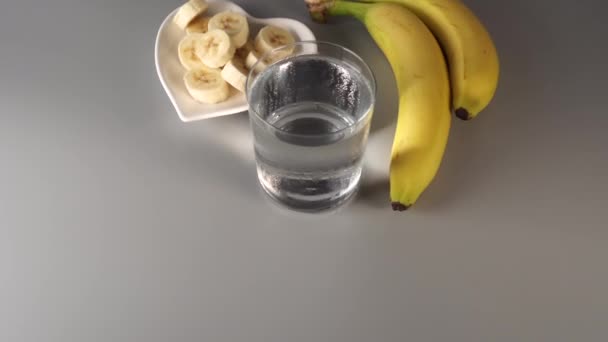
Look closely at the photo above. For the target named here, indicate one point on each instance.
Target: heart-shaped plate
(171, 72)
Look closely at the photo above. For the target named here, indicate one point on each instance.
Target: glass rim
(359, 60)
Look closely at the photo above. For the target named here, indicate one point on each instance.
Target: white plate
(171, 72)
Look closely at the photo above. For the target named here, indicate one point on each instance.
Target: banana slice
(188, 12)
(214, 48)
(232, 23)
(186, 51)
(206, 85)
(198, 25)
(252, 58)
(235, 73)
(272, 37)
(243, 51)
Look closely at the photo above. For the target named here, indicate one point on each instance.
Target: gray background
(118, 222)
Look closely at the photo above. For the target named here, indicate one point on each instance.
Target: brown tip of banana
(400, 207)
(463, 114)
(318, 10)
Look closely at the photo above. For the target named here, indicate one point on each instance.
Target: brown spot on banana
(463, 114)
(399, 206)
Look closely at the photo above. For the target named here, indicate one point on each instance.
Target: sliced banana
(186, 51)
(206, 85)
(272, 37)
(214, 48)
(252, 59)
(235, 73)
(243, 51)
(234, 24)
(198, 25)
(190, 10)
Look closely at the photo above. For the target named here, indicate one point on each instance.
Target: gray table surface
(118, 222)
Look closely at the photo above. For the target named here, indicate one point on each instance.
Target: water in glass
(314, 114)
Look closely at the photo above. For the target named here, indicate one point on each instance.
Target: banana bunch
(217, 53)
(408, 32)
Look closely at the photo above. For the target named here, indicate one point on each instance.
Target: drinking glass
(310, 107)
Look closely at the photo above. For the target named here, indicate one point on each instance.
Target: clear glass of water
(310, 107)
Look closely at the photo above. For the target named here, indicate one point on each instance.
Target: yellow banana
(424, 91)
(472, 57)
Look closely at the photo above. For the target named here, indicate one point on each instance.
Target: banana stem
(320, 9)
